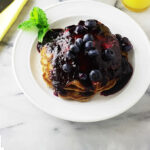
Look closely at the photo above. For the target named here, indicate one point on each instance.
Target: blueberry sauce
(88, 52)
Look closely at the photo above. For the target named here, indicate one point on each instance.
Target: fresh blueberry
(125, 40)
(79, 42)
(88, 37)
(126, 44)
(81, 22)
(79, 29)
(90, 24)
(109, 54)
(119, 37)
(82, 76)
(66, 68)
(74, 48)
(127, 48)
(93, 53)
(95, 75)
(89, 45)
(70, 55)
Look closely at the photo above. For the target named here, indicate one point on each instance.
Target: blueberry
(126, 44)
(93, 53)
(125, 40)
(66, 68)
(88, 37)
(119, 37)
(95, 75)
(89, 45)
(90, 24)
(79, 29)
(127, 48)
(109, 54)
(82, 76)
(81, 22)
(74, 48)
(79, 42)
(70, 55)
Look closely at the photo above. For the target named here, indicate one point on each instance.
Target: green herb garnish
(38, 21)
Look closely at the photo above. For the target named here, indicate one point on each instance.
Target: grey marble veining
(23, 126)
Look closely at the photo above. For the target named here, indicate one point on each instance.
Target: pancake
(82, 60)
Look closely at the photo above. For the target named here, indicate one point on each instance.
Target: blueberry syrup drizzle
(80, 49)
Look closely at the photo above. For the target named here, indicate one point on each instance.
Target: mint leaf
(37, 20)
(27, 25)
(39, 16)
(41, 34)
(34, 15)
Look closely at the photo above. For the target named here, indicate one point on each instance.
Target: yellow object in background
(9, 15)
(137, 5)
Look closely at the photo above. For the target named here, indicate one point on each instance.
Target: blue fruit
(88, 37)
(79, 29)
(74, 48)
(125, 40)
(119, 37)
(90, 24)
(127, 48)
(109, 54)
(70, 55)
(95, 75)
(93, 53)
(66, 68)
(79, 42)
(89, 45)
(126, 44)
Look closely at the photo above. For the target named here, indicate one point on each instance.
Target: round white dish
(27, 68)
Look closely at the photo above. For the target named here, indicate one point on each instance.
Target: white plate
(27, 68)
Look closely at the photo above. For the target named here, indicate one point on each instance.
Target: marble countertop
(23, 126)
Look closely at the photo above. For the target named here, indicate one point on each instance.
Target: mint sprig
(38, 21)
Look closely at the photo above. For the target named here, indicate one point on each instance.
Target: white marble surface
(24, 127)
